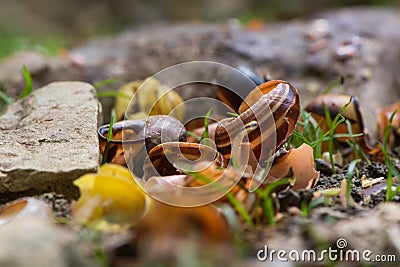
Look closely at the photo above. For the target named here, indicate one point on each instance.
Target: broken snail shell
(24, 207)
(135, 129)
(111, 195)
(152, 131)
(299, 162)
(153, 98)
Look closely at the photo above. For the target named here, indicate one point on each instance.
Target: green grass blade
(106, 82)
(235, 163)
(353, 144)
(392, 172)
(8, 100)
(350, 172)
(192, 134)
(335, 136)
(332, 85)
(387, 133)
(233, 114)
(268, 205)
(232, 199)
(269, 210)
(311, 132)
(389, 164)
(206, 122)
(28, 82)
(240, 209)
(339, 115)
(113, 94)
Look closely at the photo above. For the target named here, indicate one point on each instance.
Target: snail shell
(278, 97)
(153, 98)
(110, 195)
(23, 207)
(153, 131)
(174, 157)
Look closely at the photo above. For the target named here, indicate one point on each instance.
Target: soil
(60, 206)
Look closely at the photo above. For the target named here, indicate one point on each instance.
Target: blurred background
(49, 25)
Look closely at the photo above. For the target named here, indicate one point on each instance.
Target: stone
(48, 139)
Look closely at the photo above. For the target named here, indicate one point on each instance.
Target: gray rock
(49, 139)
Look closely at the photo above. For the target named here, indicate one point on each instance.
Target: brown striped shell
(166, 158)
(277, 97)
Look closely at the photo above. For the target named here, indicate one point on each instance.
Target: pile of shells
(160, 145)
